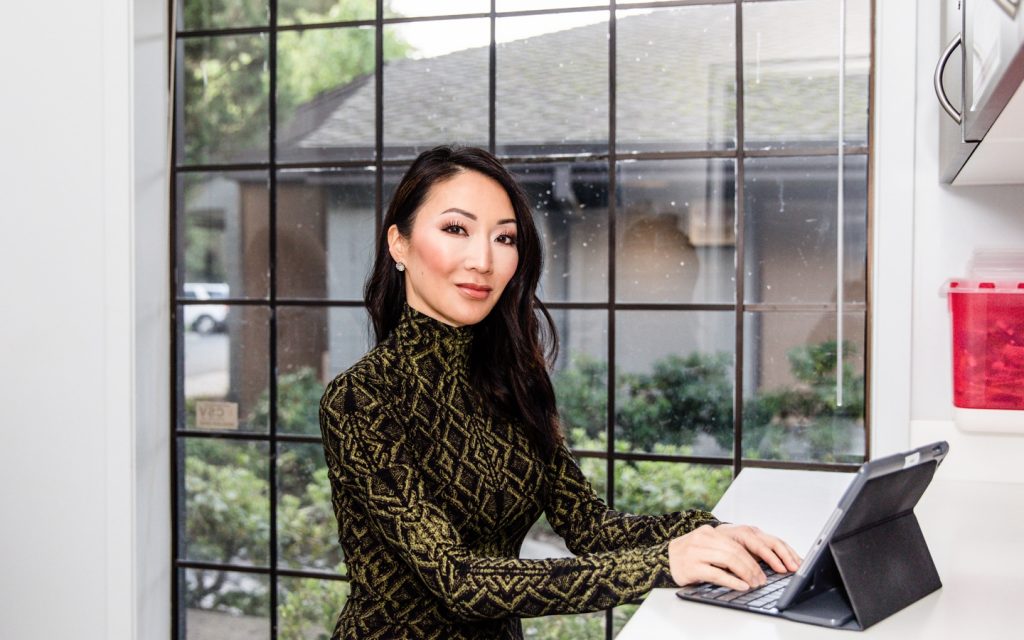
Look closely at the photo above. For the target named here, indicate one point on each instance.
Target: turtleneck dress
(434, 493)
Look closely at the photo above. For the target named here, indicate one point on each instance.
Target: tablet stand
(885, 568)
(877, 561)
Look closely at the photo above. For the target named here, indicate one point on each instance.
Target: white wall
(83, 464)
(152, 323)
(949, 223)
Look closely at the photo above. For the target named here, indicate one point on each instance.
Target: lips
(474, 291)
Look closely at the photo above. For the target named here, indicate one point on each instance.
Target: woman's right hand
(724, 555)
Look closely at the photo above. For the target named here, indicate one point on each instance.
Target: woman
(443, 444)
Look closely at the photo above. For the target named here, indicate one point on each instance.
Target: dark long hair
(511, 346)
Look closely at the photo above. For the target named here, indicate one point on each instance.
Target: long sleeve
(372, 462)
(588, 525)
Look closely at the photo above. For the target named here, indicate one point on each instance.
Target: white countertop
(974, 531)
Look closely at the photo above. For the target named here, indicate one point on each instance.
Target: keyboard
(762, 598)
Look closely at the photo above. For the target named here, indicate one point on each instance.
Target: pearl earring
(400, 266)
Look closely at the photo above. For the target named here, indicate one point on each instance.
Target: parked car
(206, 318)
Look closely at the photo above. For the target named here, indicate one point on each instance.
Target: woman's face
(462, 250)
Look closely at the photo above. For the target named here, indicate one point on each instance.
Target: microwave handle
(940, 91)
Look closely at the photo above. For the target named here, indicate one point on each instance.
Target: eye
(507, 238)
(454, 228)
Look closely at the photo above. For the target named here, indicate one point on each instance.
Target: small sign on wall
(216, 415)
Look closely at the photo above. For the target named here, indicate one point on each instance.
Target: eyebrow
(472, 216)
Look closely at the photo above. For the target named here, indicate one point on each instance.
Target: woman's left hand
(779, 555)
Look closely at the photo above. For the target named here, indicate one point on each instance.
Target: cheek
(434, 257)
(505, 265)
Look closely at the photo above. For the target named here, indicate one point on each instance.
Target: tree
(803, 420)
(227, 79)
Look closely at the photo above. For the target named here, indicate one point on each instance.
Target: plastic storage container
(988, 343)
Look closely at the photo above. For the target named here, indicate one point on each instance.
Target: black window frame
(272, 302)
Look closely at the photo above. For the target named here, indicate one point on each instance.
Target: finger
(794, 560)
(771, 553)
(731, 556)
(779, 555)
(764, 546)
(787, 556)
(714, 575)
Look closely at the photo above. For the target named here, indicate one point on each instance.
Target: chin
(472, 314)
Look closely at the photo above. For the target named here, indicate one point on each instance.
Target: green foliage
(685, 396)
(582, 397)
(307, 529)
(309, 608)
(679, 399)
(226, 88)
(200, 14)
(804, 418)
(586, 626)
(226, 521)
(298, 403)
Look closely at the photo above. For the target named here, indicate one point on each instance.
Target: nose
(478, 255)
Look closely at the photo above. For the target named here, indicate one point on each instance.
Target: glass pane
(570, 205)
(222, 224)
(223, 605)
(417, 8)
(319, 11)
(674, 382)
(791, 73)
(222, 14)
(526, 5)
(552, 85)
(790, 227)
(621, 615)
(675, 231)
(789, 407)
(392, 176)
(225, 502)
(314, 344)
(580, 377)
(223, 94)
(325, 233)
(435, 87)
(325, 94)
(595, 470)
(642, 486)
(542, 542)
(226, 376)
(307, 531)
(303, 355)
(676, 79)
(581, 626)
(309, 608)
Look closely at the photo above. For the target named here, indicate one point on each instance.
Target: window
(699, 176)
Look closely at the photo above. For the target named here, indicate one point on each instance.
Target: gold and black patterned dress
(434, 495)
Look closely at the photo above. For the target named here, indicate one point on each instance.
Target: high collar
(418, 334)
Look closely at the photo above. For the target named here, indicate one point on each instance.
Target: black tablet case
(877, 561)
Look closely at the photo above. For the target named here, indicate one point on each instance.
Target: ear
(397, 244)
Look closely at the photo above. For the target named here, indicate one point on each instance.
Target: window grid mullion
(609, 619)
(740, 209)
(272, 350)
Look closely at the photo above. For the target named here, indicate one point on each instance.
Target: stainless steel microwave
(990, 45)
